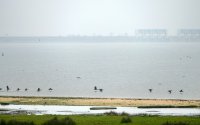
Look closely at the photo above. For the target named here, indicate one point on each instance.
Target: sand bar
(77, 101)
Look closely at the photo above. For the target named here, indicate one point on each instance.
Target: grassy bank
(98, 101)
(106, 120)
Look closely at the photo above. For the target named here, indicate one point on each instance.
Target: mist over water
(121, 69)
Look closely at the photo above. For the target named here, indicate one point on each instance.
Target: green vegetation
(112, 113)
(102, 108)
(15, 122)
(105, 119)
(175, 123)
(56, 121)
(4, 103)
(126, 119)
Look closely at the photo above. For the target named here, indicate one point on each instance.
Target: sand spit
(124, 102)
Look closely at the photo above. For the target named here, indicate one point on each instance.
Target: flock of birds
(26, 89)
(50, 89)
(169, 91)
(95, 87)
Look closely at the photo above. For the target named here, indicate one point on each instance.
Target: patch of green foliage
(15, 122)
(126, 120)
(175, 123)
(56, 121)
(112, 113)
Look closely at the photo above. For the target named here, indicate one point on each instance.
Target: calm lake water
(121, 69)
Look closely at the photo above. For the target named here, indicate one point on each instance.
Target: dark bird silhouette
(7, 88)
(95, 88)
(38, 89)
(2, 54)
(50, 89)
(101, 90)
(181, 91)
(0, 89)
(170, 91)
(18, 89)
(26, 89)
(78, 77)
(150, 90)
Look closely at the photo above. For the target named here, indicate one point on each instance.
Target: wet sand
(97, 101)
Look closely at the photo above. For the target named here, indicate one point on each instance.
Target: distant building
(155, 34)
(189, 34)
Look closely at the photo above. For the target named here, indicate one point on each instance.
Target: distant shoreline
(100, 38)
(81, 101)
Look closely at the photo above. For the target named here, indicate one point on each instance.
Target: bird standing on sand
(0, 89)
(18, 89)
(26, 89)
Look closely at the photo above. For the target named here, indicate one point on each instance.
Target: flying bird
(181, 91)
(50, 89)
(7, 88)
(170, 91)
(150, 90)
(95, 88)
(101, 90)
(38, 89)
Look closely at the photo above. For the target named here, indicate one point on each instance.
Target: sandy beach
(97, 101)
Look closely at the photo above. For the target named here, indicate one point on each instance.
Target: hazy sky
(90, 17)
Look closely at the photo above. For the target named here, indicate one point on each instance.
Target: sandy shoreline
(97, 101)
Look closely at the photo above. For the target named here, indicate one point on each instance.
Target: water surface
(121, 69)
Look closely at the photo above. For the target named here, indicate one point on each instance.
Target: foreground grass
(105, 120)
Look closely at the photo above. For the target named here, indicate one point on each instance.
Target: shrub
(124, 114)
(68, 121)
(2, 122)
(56, 121)
(111, 113)
(53, 121)
(126, 120)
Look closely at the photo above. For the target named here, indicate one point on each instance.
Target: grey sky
(100, 17)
